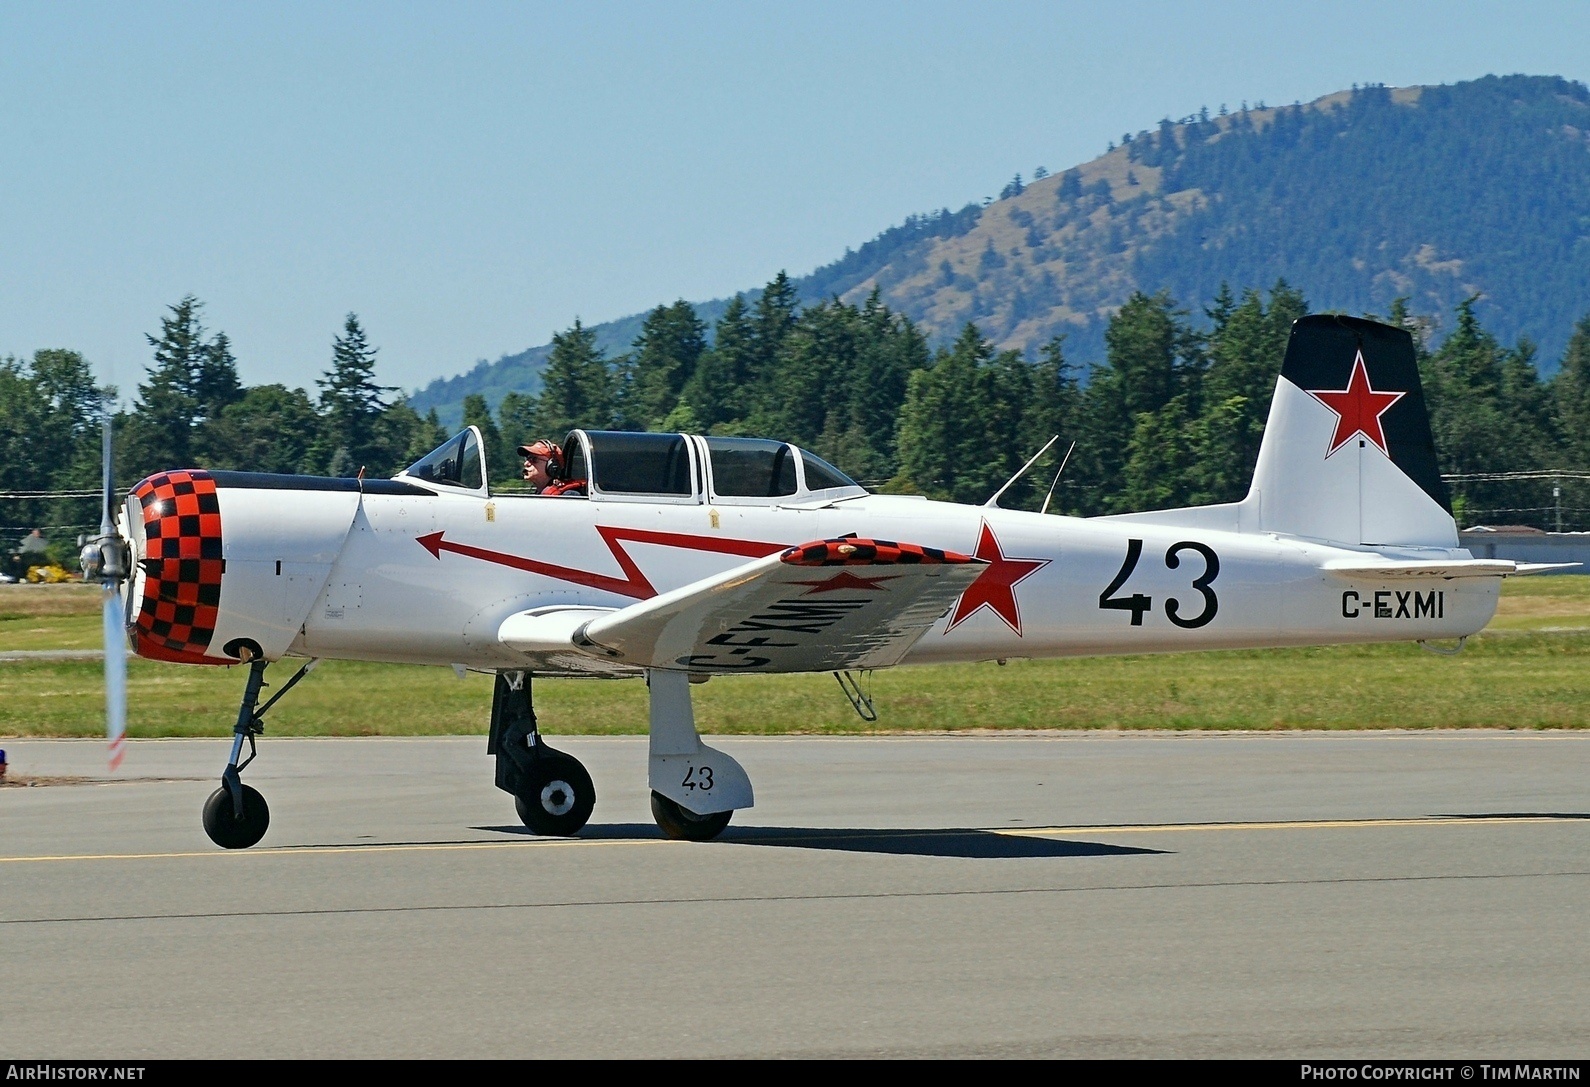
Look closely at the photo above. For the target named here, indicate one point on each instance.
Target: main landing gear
(236, 815)
(551, 789)
(695, 789)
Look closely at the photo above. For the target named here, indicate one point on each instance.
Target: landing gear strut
(236, 815)
(551, 789)
(695, 789)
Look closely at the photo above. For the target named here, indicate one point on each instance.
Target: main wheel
(222, 824)
(680, 823)
(558, 795)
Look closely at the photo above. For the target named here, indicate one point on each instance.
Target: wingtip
(851, 551)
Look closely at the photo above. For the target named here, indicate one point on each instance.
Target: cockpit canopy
(455, 463)
(676, 468)
(692, 468)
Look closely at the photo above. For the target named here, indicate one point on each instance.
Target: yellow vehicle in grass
(53, 574)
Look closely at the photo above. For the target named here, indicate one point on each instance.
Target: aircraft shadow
(970, 844)
(1513, 815)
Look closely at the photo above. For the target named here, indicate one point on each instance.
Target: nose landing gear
(236, 815)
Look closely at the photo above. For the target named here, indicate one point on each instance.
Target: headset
(545, 447)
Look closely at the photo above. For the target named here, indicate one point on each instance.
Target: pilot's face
(535, 470)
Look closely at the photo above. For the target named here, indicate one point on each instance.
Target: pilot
(543, 469)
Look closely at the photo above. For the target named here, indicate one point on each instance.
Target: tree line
(1171, 415)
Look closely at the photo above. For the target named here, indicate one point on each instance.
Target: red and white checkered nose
(182, 567)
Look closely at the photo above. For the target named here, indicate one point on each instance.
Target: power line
(1499, 477)
(47, 496)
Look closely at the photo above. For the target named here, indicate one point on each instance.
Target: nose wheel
(233, 826)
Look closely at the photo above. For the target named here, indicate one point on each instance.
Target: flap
(819, 607)
(1441, 568)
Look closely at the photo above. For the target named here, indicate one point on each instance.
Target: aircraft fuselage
(429, 578)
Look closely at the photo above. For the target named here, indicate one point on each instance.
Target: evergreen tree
(717, 394)
(961, 423)
(191, 381)
(1153, 350)
(934, 441)
(1245, 349)
(516, 419)
(270, 429)
(576, 386)
(75, 407)
(501, 462)
(1571, 399)
(1103, 425)
(1153, 357)
(351, 406)
(1053, 409)
(1480, 425)
(50, 429)
(771, 325)
(1570, 406)
(800, 392)
(402, 436)
(1158, 466)
(215, 381)
(24, 424)
(889, 349)
(665, 356)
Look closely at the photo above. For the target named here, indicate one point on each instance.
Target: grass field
(1529, 669)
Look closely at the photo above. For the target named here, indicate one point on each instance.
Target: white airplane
(689, 557)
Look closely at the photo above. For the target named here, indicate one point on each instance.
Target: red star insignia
(995, 587)
(846, 580)
(1358, 408)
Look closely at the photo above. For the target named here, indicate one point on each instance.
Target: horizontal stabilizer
(823, 606)
(1441, 568)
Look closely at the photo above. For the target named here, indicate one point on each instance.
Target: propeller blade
(106, 517)
(115, 675)
(115, 618)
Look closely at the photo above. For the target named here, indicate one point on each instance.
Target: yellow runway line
(309, 851)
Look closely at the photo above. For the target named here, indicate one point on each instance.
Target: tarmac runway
(1344, 895)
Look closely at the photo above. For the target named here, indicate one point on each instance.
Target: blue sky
(470, 177)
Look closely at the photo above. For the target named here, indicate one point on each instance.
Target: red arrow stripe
(633, 583)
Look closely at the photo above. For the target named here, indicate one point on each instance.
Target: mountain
(1434, 194)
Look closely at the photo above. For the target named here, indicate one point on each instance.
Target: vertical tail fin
(1347, 454)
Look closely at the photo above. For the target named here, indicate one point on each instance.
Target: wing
(1442, 568)
(823, 606)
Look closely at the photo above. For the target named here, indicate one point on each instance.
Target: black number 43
(698, 777)
(1139, 604)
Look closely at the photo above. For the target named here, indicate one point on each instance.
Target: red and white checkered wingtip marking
(852, 551)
